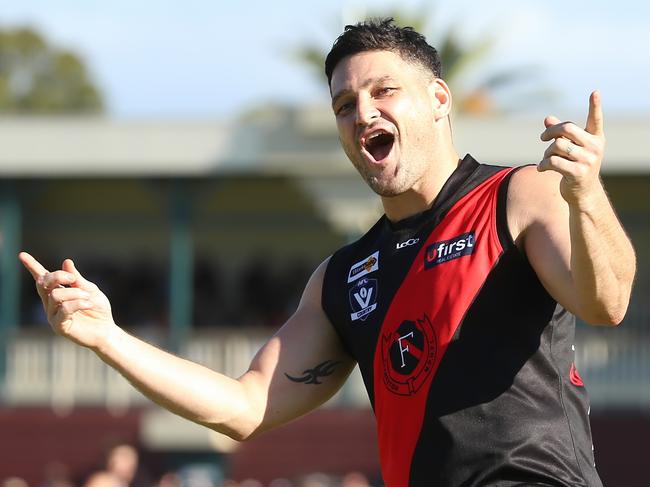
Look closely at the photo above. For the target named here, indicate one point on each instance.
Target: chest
(417, 280)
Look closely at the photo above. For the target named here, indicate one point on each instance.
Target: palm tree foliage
(474, 85)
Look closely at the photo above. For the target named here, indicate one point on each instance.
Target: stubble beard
(387, 185)
(384, 185)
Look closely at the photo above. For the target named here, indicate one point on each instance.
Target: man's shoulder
(529, 187)
(532, 197)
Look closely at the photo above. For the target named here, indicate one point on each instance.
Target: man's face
(384, 108)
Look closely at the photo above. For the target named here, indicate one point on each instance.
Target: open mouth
(379, 145)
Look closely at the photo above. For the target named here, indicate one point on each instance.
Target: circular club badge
(408, 353)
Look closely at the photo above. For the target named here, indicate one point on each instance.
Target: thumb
(551, 120)
(80, 282)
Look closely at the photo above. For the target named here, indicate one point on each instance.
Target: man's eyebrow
(368, 82)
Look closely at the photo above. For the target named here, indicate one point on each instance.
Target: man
(122, 461)
(103, 479)
(456, 305)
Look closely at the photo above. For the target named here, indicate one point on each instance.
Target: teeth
(376, 134)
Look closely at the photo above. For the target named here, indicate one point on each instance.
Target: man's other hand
(75, 307)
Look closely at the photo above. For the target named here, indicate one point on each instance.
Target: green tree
(475, 86)
(38, 78)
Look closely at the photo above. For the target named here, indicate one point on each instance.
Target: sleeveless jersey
(467, 360)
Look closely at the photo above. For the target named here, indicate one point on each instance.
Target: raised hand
(575, 153)
(75, 307)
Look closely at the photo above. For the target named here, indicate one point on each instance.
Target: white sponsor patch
(364, 267)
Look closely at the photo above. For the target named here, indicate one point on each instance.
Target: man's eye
(344, 108)
(385, 91)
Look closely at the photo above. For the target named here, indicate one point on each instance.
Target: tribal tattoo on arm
(311, 376)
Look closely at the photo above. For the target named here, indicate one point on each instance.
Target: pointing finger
(32, 265)
(595, 117)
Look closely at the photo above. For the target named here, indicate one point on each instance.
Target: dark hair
(383, 35)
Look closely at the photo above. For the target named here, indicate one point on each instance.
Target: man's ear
(440, 98)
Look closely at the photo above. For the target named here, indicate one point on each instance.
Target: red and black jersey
(467, 360)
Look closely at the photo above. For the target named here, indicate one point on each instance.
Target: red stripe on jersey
(423, 317)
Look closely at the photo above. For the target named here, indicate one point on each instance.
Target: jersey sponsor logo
(409, 242)
(446, 250)
(364, 267)
(408, 354)
(363, 298)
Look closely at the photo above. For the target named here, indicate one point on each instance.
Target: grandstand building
(203, 235)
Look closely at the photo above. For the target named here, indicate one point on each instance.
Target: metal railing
(615, 365)
(42, 369)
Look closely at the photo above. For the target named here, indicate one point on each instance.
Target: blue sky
(214, 59)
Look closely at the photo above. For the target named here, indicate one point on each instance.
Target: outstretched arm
(299, 368)
(563, 219)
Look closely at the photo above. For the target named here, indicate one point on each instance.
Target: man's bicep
(543, 217)
(301, 366)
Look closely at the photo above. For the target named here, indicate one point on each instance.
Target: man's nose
(366, 111)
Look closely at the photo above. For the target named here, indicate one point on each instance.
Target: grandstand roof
(299, 142)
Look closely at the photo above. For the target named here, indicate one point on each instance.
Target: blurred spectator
(198, 476)
(57, 474)
(14, 482)
(281, 483)
(122, 461)
(316, 480)
(103, 479)
(169, 479)
(355, 479)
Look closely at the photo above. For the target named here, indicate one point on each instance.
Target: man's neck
(422, 195)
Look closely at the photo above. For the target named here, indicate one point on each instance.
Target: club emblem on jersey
(408, 353)
(364, 267)
(363, 298)
(446, 250)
